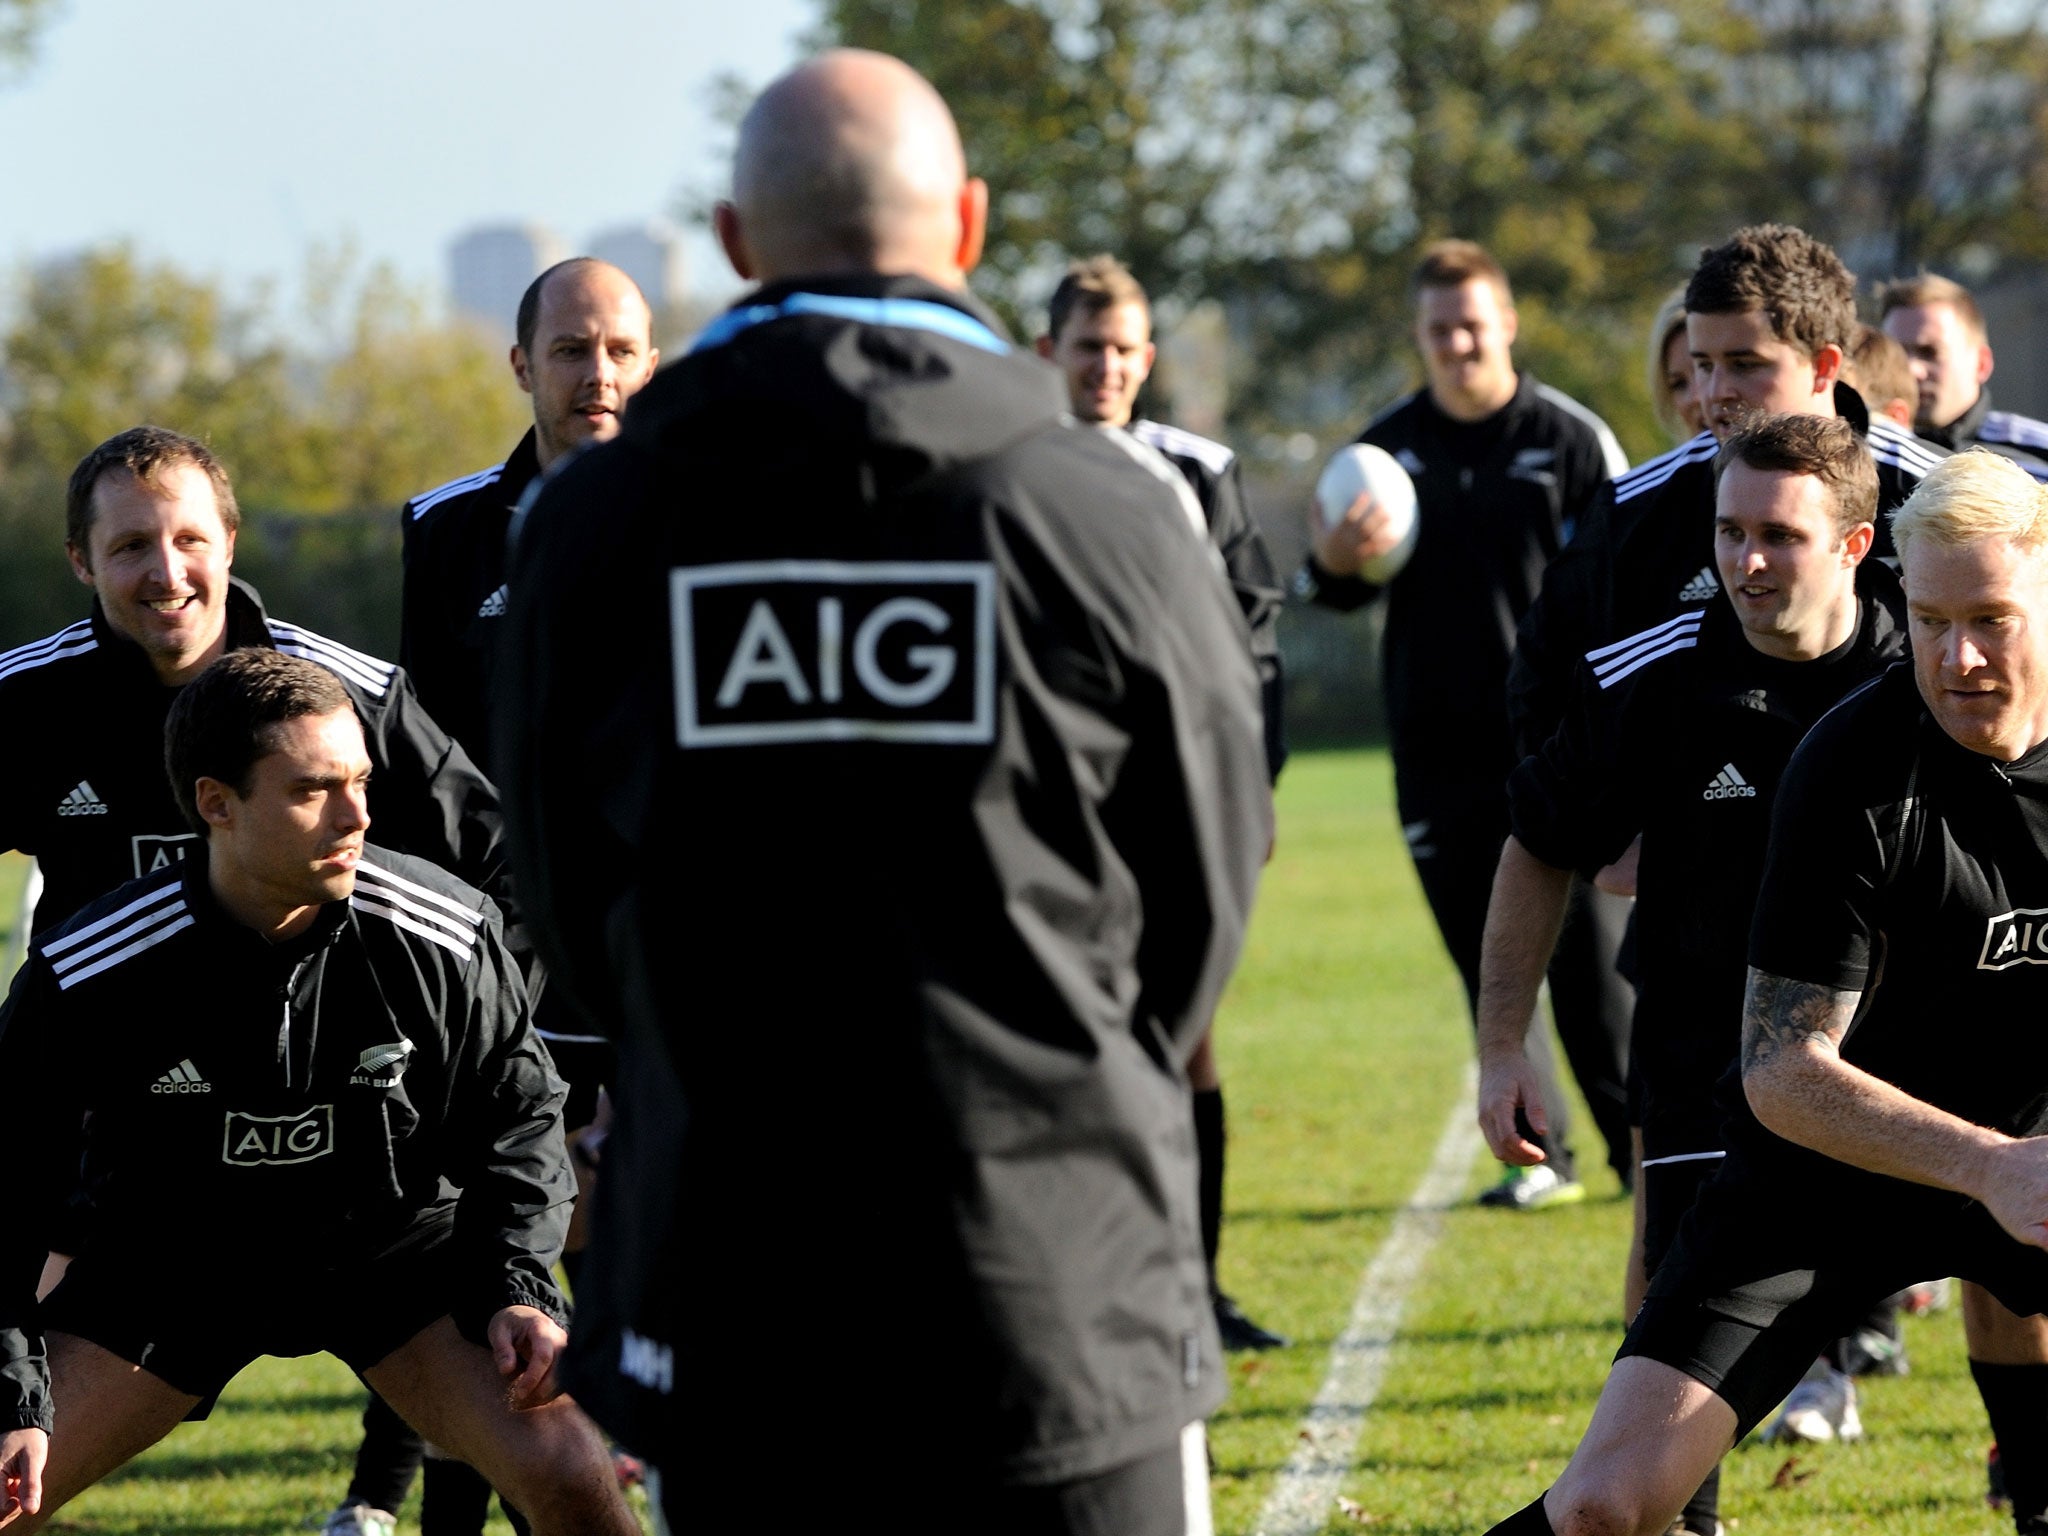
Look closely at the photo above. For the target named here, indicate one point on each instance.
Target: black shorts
(1764, 1275)
(198, 1339)
(1671, 1185)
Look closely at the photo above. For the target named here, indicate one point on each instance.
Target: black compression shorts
(1763, 1277)
(197, 1338)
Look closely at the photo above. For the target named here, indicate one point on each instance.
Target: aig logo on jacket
(780, 651)
(252, 1140)
(2019, 937)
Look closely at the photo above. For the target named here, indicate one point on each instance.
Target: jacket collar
(1961, 432)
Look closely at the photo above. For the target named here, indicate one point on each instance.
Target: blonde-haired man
(1904, 893)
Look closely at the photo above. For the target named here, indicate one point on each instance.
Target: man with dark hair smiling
(404, 1101)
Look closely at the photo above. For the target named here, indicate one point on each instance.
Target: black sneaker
(1240, 1332)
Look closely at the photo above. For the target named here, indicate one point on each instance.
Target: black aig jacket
(1680, 733)
(1646, 548)
(82, 782)
(404, 1094)
(2019, 438)
(453, 538)
(1213, 472)
(887, 756)
(1497, 500)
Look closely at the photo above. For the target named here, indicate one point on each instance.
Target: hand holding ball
(1382, 540)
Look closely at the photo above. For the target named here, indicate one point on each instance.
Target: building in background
(650, 254)
(490, 266)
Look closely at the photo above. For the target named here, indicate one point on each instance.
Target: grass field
(1343, 1043)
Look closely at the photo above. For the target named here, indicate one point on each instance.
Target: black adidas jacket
(2020, 438)
(1680, 734)
(888, 758)
(1497, 500)
(453, 539)
(1214, 473)
(1646, 548)
(82, 782)
(146, 1069)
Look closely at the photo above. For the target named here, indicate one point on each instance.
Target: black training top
(1496, 499)
(1915, 871)
(1681, 733)
(453, 539)
(1212, 470)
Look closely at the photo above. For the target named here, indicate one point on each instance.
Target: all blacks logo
(822, 650)
(252, 1140)
(2019, 937)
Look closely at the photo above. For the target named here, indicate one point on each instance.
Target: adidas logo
(1729, 784)
(494, 605)
(1703, 588)
(380, 1059)
(82, 802)
(183, 1078)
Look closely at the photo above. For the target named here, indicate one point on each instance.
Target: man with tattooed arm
(1894, 1115)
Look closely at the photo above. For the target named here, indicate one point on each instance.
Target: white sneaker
(360, 1520)
(1821, 1408)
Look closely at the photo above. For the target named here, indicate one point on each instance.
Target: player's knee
(558, 1458)
(1599, 1502)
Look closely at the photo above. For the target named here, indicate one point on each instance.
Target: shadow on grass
(1314, 1215)
(1477, 1401)
(269, 1464)
(197, 1523)
(293, 1402)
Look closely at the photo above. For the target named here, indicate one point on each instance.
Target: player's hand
(527, 1344)
(1619, 878)
(1507, 1084)
(1365, 532)
(2016, 1193)
(22, 1454)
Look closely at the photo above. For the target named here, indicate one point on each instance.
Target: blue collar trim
(903, 314)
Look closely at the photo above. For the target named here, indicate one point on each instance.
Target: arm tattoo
(1778, 1015)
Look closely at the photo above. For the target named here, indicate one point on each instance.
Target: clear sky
(230, 136)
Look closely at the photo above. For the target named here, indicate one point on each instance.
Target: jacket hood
(864, 364)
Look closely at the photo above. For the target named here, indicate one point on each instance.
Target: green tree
(21, 21)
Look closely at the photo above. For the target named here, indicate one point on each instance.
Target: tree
(20, 23)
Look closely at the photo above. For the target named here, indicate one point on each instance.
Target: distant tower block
(490, 266)
(650, 254)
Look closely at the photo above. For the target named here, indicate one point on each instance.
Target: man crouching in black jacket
(234, 1055)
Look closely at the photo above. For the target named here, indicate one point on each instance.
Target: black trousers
(1455, 833)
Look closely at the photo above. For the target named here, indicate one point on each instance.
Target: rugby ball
(1361, 467)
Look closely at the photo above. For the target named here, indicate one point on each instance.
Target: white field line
(1301, 1503)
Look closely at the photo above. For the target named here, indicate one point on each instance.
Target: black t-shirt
(1915, 871)
(1681, 735)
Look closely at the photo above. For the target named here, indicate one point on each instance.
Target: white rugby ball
(1356, 469)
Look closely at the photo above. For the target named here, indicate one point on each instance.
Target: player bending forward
(234, 1055)
(1908, 865)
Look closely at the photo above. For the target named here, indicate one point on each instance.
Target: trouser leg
(1594, 1007)
(1456, 848)
(386, 1460)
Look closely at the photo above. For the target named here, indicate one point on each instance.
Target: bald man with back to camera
(889, 761)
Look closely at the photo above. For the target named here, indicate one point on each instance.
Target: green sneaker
(1533, 1189)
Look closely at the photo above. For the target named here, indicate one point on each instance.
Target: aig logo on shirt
(2019, 937)
(823, 650)
(256, 1139)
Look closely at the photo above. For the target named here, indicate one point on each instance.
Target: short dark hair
(145, 453)
(1798, 283)
(1879, 370)
(1092, 285)
(220, 722)
(1924, 288)
(529, 301)
(1454, 263)
(1825, 447)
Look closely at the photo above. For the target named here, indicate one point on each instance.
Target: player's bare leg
(108, 1413)
(1655, 1434)
(549, 1461)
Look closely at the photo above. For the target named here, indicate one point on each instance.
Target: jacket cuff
(474, 1322)
(1313, 584)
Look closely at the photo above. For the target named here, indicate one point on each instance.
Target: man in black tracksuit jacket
(904, 797)
(1678, 735)
(82, 785)
(310, 1061)
(1937, 321)
(583, 346)
(1499, 486)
